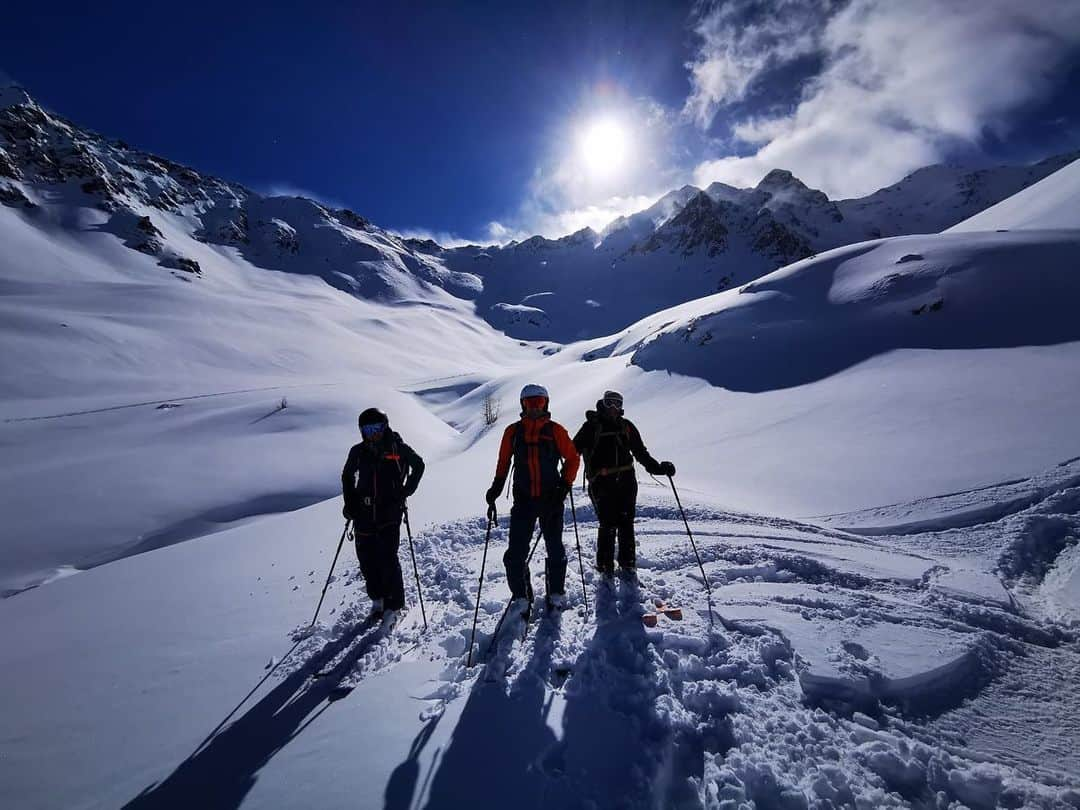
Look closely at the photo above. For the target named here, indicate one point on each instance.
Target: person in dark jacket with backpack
(379, 474)
(610, 443)
(535, 444)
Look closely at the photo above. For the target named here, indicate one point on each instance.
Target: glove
(345, 513)
(493, 492)
(408, 491)
(667, 468)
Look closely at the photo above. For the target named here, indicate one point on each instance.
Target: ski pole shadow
(617, 750)
(222, 769)
(402, 785)
(505, 729)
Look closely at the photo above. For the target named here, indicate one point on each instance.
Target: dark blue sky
(432, 117)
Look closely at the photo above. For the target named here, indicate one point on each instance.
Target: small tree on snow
(491, 410)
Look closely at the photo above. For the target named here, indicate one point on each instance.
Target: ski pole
(416, 571)
(498, 624)
(492, 518)
(577, 541)
(341, 542)
(693, 545)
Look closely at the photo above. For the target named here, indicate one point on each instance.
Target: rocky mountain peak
(780, 179)
(12, 95)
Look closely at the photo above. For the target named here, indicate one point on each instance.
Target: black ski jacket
(610, 447)
(377, 479)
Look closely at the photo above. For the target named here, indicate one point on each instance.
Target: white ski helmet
(533, 390)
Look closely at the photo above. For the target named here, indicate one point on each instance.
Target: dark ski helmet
(372, 416)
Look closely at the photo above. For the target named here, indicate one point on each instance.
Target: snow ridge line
(161, 402)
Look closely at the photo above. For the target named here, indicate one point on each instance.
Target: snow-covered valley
(877, 450)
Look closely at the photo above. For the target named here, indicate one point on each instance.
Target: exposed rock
(144, 225)
(353, 219)
(182, 263)
(13, 196)
(8, 167)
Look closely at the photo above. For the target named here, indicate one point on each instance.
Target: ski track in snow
(693, 714)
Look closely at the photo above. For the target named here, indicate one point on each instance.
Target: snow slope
(694, 242)
(140, 409)
(912, 644)
(865, 672)
(1050, 203)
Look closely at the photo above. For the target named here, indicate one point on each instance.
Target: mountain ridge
(689, 243)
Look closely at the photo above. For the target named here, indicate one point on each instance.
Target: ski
(375, 629)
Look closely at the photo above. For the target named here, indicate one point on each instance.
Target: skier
(379, 474)
(535, 443)
(609, 443)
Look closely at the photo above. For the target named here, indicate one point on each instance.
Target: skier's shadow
(402, 785)
(616, 749)
(221, 771)
(506, 731)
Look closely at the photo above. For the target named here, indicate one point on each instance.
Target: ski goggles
(372, 430)
(612, 402)
(534, 403)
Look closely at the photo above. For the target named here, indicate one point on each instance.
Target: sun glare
(604, 145)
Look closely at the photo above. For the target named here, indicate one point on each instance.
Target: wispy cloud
(445, 239)
(743, 40)
(289, 190)
(901, 84)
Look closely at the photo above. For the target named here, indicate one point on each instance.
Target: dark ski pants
(615, 500)
(377, 551)
(524, 515)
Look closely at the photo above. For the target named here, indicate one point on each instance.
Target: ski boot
(377, 610)
(555, 602)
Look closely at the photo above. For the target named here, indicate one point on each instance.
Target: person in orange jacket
(536, 444)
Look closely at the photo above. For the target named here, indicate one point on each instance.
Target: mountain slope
(50, 168)
(1051, 203)
(695, 242)
(914, 645)
(143, 377)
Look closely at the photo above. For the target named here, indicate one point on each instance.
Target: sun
(604, 145)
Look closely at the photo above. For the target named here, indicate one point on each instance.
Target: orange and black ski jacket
(536, 445)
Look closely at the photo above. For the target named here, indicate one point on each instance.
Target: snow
(884, 498)
(1051, 203)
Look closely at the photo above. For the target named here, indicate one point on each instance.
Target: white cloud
(289, 190)
(902, 83)
(551, 224)
(556, 223)
(744, 39)
(445, 239)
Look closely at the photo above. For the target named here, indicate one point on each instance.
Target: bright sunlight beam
(604, 145)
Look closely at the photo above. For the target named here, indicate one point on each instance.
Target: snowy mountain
(126, 279)
(688, 244)
(694, 242)
(876, 448)
(49, 166)
(1050, 203)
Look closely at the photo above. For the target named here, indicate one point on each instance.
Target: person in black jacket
(610, 443)
(379, 474)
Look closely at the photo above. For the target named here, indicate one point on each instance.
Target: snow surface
(912, 643)
(1051, 203)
